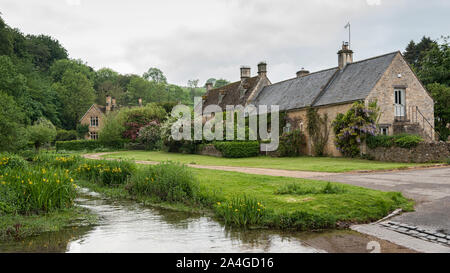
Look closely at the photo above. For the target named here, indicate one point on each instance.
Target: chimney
(209, 86)
(302, 73)
(345, 56)
(140, 102)
(108, 103)
(245, 72)
(262, 69)
(113, 104)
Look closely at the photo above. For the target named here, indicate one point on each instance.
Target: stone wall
(210, 150)
(423, 152)
(86, 120)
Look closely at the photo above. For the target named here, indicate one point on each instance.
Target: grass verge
(305, 163)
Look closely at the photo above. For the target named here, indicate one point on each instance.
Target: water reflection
(125, 226)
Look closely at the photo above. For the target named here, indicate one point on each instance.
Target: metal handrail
(424, 118)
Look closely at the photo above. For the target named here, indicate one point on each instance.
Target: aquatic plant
(241, 211)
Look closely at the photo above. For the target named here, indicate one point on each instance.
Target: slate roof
(329, 86)
(231, 92)
(297, 92)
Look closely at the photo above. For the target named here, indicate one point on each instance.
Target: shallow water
(126, 226)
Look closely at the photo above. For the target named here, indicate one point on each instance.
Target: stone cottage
(240, 92)
(405, 105)
(96, 114)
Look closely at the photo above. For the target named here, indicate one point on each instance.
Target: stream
(126, 226)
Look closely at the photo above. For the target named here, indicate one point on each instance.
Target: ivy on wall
(318, 130)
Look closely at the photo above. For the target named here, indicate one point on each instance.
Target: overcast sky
(199, 39)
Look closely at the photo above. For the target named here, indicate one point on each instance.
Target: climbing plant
(318, 130)
(352, 128)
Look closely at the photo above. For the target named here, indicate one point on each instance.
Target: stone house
(405, 105)
(95, 117)
(239, 92)
(96, 114)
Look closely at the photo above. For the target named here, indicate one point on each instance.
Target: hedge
(78, 145)
(238, 149)
(402, 141)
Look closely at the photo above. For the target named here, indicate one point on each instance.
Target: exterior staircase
(415, 123)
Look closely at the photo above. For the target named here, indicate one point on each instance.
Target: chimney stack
(140, 102)
(245, 72)
(345, 56)
(262, 69)
(209, 86)
(108, 103)
(302, 73)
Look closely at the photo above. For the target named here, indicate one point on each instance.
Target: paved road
(430, 188)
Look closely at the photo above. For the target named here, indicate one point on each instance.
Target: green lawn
(316, 164)
(355, 204)
(298, 211)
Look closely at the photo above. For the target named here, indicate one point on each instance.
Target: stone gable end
(400, 75)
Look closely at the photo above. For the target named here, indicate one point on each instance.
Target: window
(93, 135)
(287, 128)
(384, 130)
(94, 121)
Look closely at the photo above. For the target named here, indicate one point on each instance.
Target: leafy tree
(76, 95)
(441, 96)
(220, 83)
(42, 131)
(44, 50)
(58, 69)
(210, 80)
(11, 119)
(414, 53)
(6, 43)
(82, 130)
(155, 74)
(435, 65)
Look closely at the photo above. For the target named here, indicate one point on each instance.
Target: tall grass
(54, 160)
(168, 181)
(107, 172)
(299, 189)
(241, 211)
(33, 190)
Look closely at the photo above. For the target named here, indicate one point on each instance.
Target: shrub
(82, 130)
(238, 149)
(150, 135)
(78, 145)
(291, 143)
(407, 141)
(241, 211)
(43, 131)
(299, 189)
(107, 172)
(35, 190)
(12, 161)
(352, 128)
(166, 181)
(66, 135)
(402, 141)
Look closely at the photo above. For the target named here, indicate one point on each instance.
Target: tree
(220, 83)
(154, 74)
(441, 96)
(42, 131)
(6, 43)
(58, 69)
(210, 80)
(44, 50)
(414, 53)
(11, 119)
(76, 95)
